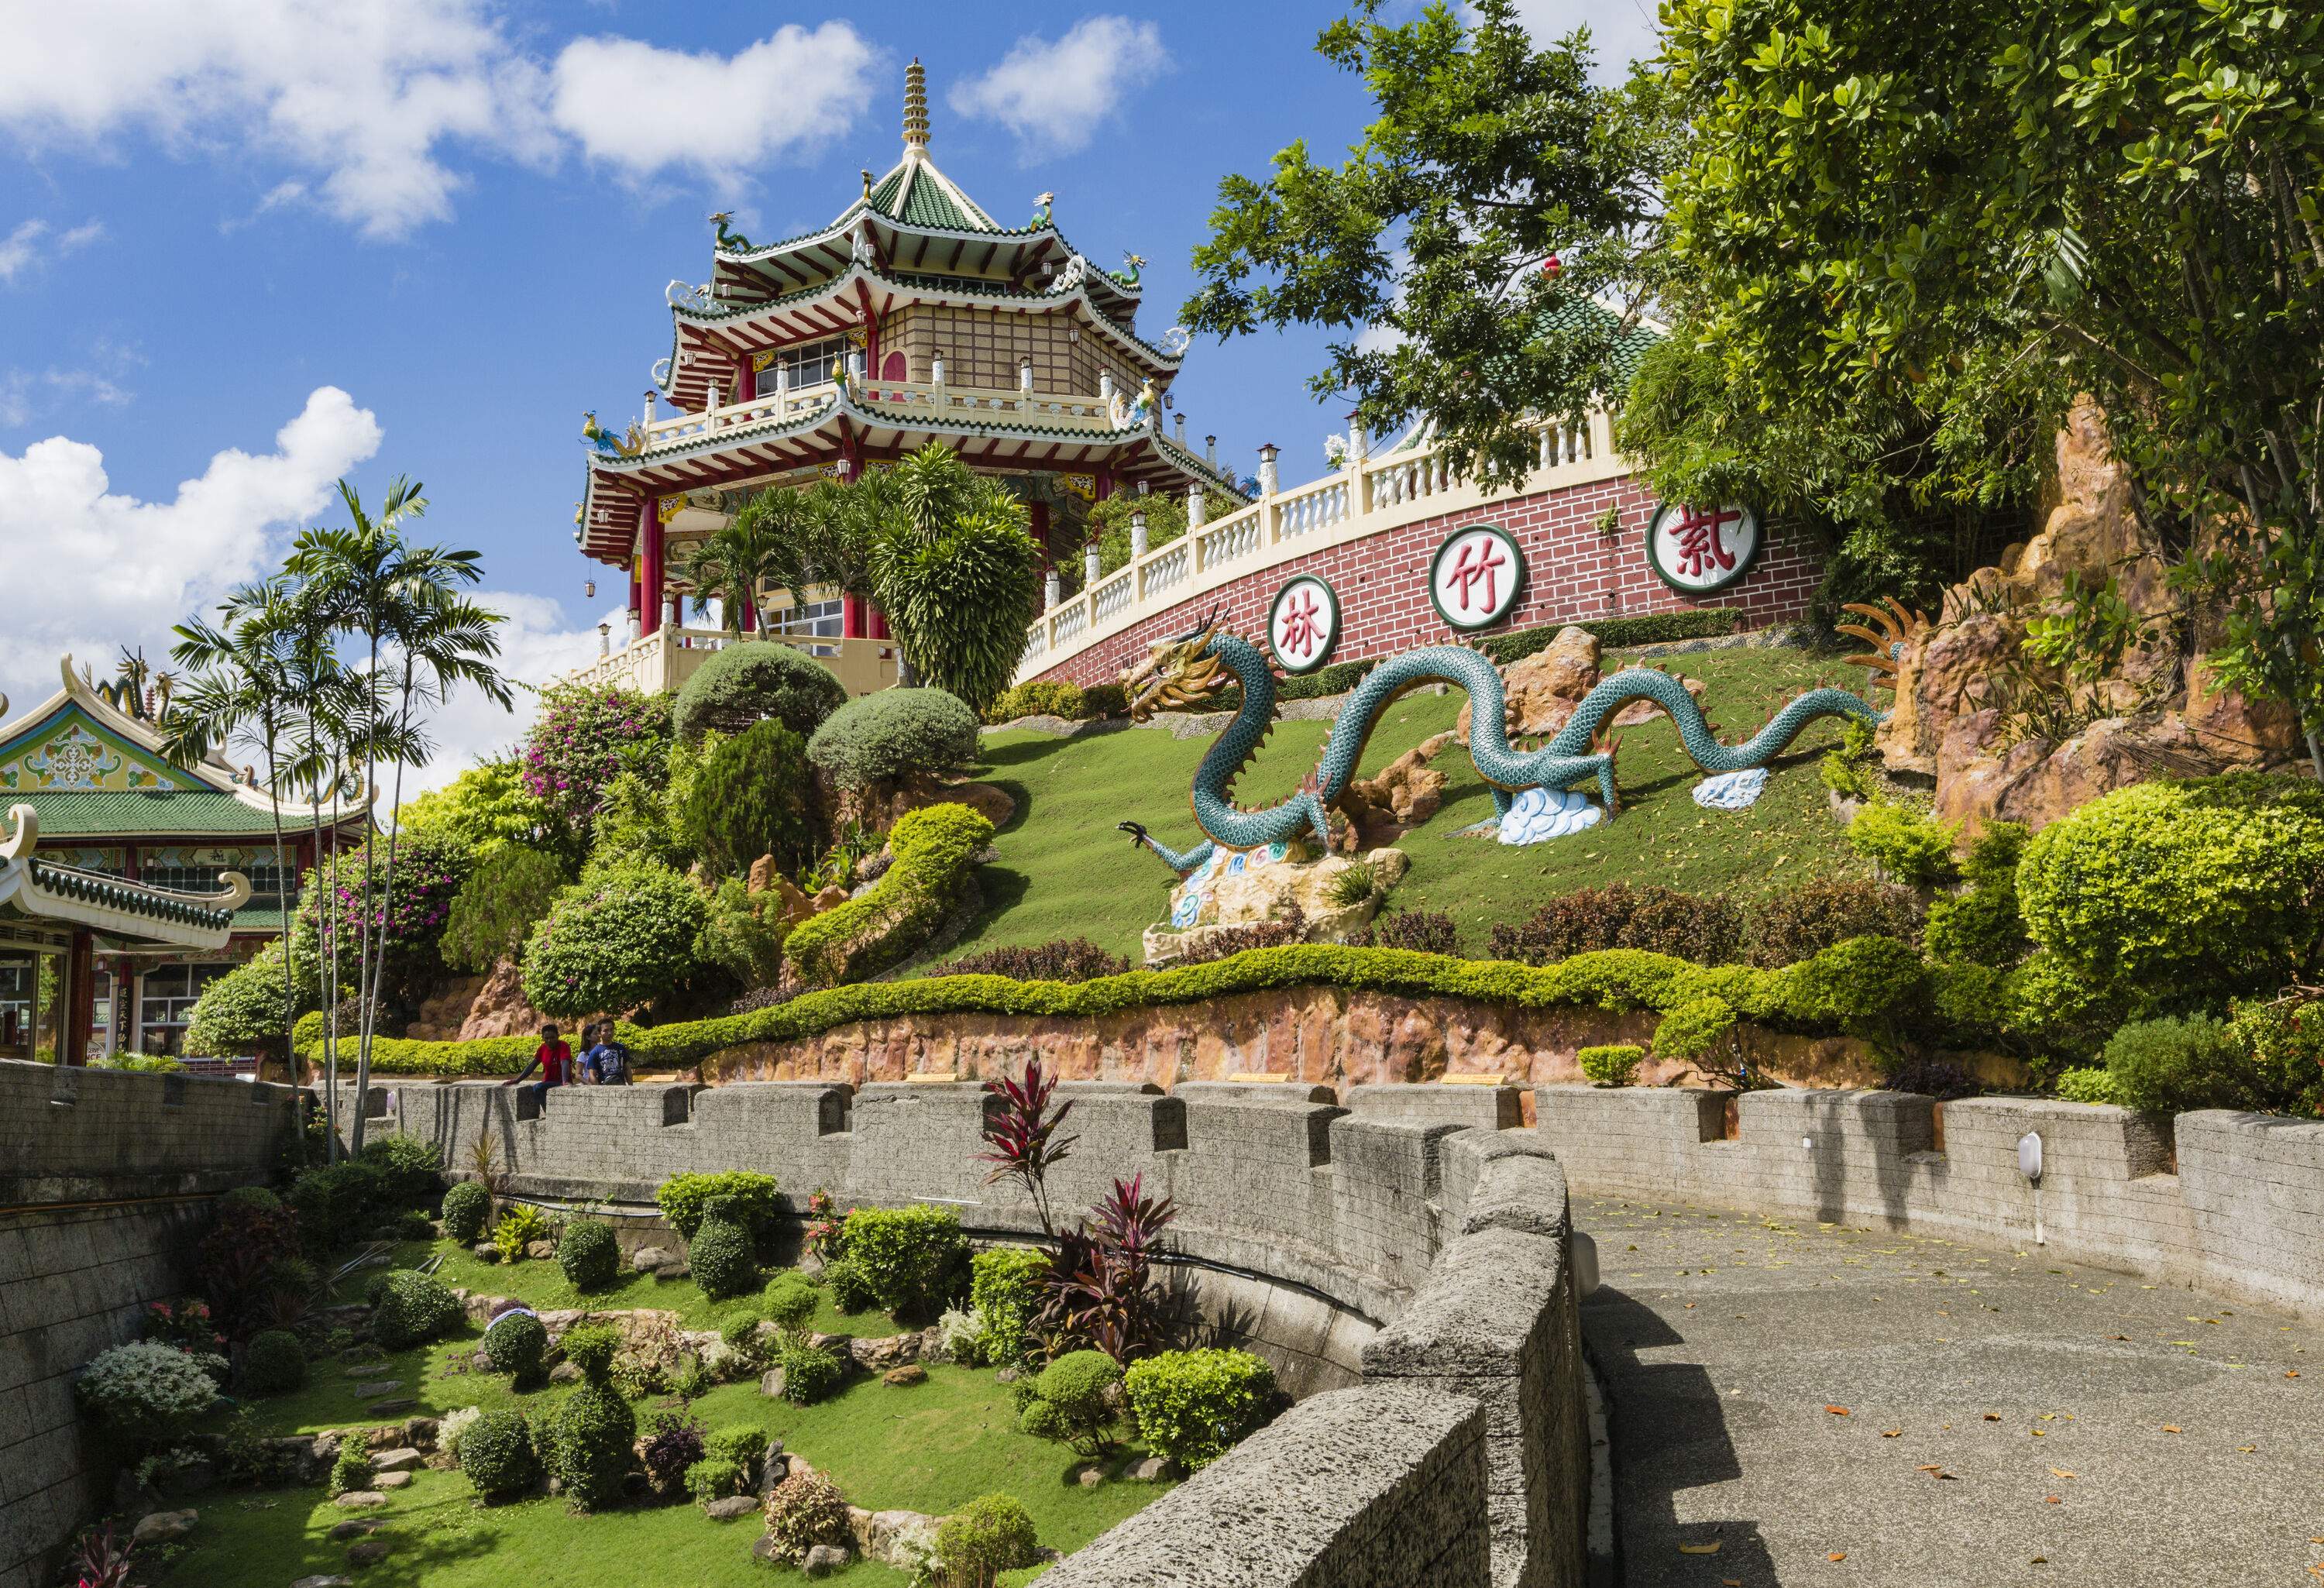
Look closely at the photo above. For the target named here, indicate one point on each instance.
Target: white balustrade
(1112, 595)
(1164, 568)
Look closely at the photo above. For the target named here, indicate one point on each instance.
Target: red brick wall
(1571, 571)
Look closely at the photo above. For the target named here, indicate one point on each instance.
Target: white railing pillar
(604, 639)
(1090, 568)
(1052, 591)
(1270, 482)
(1197, 512)
(1138, 532)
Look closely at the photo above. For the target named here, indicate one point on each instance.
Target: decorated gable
(69, 751)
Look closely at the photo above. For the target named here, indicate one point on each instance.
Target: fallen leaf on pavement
(2248, 1449)
(2170, 1428)
(1837, 1554)
(1892, 1433)
(1709, 1548)
(2052, 1500)
(1837, 1412)
(2061, 1472)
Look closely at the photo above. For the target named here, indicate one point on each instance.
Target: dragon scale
(1566, 760)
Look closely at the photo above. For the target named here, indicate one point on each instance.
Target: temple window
(811, 620)
(814, 364)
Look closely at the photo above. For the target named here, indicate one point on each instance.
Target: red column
(746, 382)
(80, 999)
(1039, 515)
(851, 617)
(650, 615)
(879, 622)
(633, 589)
(749, 614)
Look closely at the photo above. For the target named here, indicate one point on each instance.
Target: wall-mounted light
(1807, 1144)
(1582, 1257)
(2029, 1157)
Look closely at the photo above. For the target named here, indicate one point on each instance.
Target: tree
(742, 558)
(954, 569)
(494, 912)
(486, 808)
(1497, 195)
(754, 796)
(1870, 196)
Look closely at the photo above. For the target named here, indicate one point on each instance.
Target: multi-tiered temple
(913, 318)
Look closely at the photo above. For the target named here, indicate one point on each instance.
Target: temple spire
(916, 105)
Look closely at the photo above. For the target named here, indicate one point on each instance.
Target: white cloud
(113, 570)
(21, 249)
(24, 394)
(1621, 30)
(1054, 96)
(536, 649)
(643, 109)
(372, 104)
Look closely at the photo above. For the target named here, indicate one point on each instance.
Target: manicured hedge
(935, 848)
(1811, 997)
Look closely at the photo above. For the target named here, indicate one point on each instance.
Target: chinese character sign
(1303, 624)
(1699, 549)
(1477, 577)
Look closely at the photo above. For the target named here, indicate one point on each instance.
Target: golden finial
(916, 105)
(867, 184)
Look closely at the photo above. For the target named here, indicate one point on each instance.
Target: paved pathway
(2008, 1418)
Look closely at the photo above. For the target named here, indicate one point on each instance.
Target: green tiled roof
(96, 888)
(1587, 314)
(140, 813)
(926, 205)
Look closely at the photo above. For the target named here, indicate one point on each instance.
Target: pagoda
(132, 878)
(912, 318)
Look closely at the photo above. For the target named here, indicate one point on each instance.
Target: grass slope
(1063, 870)
(928, 1447)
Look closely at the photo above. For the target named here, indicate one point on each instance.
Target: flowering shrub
(826, 1230)
(623, 936)
(587, 736)
(148, 1392)
(410, 905)
(804, 1510)
(187, 1324)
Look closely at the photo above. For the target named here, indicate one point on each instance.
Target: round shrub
(466, 1207)
(805, 1509)
(592, 1347)
(498, 1455)
(2174, 1065)
(713, 1478)
(744, 1338)
(1192, 1404)
(408, 1308)
(892, 732)
(241, 1012)
(589, 1254)
(683, 1198)
(912, 1258)
(720, 1254)
(2210, 884)
(851, 1288)
(409, 1168)
(791, 1299)
(1862, 985)
(1906, 844)
(989, 1535)
(758, 681)
(1695, 1028)
(1072, 1401)
(623, 935)
(594, 1432)
(1005, 1289)
(810, 1373)
(754, 796)
(742, 1445)
(147, 1391)
(1612, 1065)
(249, 1199)
(274, 1364)
(515, 1346)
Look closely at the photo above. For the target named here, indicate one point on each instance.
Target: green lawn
(927, 1447)
(540, 1284)
(1063, 870)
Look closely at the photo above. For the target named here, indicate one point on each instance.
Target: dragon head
(1178, 671)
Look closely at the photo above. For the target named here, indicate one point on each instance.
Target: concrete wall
(1403, 1248)
(106, 1179)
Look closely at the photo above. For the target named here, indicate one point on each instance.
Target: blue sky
(251, 245)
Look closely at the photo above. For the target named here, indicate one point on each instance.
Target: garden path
(1831, 1404)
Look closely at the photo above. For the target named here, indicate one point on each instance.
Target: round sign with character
(1476, 577)
(1696, 550)
(1303, 624)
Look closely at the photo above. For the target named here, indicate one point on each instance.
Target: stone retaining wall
(105, 1178)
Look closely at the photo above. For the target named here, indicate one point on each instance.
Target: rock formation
(1404, 793)
(1543, 688)
(2008, 739)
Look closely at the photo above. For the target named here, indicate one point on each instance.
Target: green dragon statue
(1192, 667)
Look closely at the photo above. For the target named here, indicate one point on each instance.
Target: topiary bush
(2178, 1063)
(1906, 844)
(753, 681)
(935, 850)
(2088, 1083)
(408, 1308)
(594, 1429)
(589, 1254)
(411, 1172)
(754, 796)
(714, 1478)
(1072, 1402)
(754, 1198)
(592, 1347)
(623, 935)
(1612, 1065)
(805, 1509)
(2210, 886)
(913, 1259)
(498, 1455)
(1805, 921)
(1005, 1289)
(516, 1344)
(1865, 985)
(891, 733)
(1695, 1030)
(244, 1011)
(851, 1288)
(989, 1535)
(790, 1299)
(466, 1207)
(720, 1252)
(273, 1362)
(810, 1373)
(1191, 1406)
(745, 1447)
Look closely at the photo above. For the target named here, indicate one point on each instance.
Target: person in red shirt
(552, 1058)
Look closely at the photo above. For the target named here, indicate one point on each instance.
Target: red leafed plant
(1022, 1132)
(102, 1560)
(1102, 1280)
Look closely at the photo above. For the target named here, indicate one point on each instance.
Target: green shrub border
(1836, 992)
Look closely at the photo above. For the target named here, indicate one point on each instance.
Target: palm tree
(953, 567)
(391, 595)
(241, 690)
(743, 559)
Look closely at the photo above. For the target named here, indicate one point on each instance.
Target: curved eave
(67, 895)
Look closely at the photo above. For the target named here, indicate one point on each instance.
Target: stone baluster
(1197, 513)
(1138, 532)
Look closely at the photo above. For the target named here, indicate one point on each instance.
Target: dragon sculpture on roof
(1192, 667)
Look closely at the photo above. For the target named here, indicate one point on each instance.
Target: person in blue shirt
(606, 1060)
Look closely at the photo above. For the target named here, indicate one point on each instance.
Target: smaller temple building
(129, 880)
